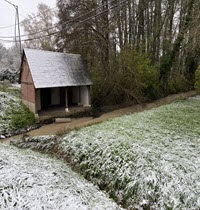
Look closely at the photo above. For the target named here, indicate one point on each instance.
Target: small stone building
(53, 79)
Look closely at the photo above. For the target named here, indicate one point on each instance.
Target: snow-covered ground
(7, 101)
(30, 180)
(15, 86)
(147, 160)
(13, 114)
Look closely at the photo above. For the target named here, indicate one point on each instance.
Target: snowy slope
(147, 160)
(13, 114)
(7, 101)
(29, 180)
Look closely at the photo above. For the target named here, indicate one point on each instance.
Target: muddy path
(56, 129)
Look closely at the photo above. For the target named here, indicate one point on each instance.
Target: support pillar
(66, 100)
(37, 104)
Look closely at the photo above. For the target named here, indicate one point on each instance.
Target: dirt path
(54, 129)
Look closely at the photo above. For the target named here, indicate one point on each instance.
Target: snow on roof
(54, 69)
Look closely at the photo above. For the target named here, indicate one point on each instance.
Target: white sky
(26, 7)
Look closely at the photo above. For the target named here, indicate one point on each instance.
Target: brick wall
(27, 86)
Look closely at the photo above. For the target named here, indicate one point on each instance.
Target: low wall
(30, 105)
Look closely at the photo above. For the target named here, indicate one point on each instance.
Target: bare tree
(32, 25)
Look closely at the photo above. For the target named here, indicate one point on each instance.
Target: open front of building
(63, 86)
(62, 97)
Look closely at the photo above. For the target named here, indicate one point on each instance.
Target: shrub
(132, 77)
(9, 74)
(22, 117)
(137, 74)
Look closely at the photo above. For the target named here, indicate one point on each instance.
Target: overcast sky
(26, 7)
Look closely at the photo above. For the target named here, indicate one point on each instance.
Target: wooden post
(66, 100)
(37, 104)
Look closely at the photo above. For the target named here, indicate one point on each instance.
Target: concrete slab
(62, 120)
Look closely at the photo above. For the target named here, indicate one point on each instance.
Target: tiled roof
(54, 69)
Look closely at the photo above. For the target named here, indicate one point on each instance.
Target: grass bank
(13, 114)
(30, 180)
(147, 160)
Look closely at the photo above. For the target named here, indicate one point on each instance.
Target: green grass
(22, 118)
(19, 116)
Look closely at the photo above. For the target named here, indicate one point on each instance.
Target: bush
(22, 118)
(9, 74)
(131, 77)
(137, 75)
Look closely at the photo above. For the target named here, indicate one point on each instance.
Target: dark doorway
(62, 96)
(45, 94)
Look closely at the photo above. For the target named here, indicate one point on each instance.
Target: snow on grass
(148, 160)
(6, 101)
(30, 180)
(15, 86)
(13, 114)
(45, 144)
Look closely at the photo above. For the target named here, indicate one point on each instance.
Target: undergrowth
(22, 117)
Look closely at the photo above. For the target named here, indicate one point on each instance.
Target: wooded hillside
(135, 50)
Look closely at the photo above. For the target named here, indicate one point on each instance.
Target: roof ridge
(31, 49)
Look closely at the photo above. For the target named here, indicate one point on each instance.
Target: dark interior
(45, 95)
(62, 96)
(70, 97)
